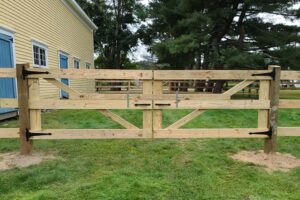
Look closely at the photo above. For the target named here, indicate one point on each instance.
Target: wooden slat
(185, 119)
(123, 133)
(8, 103)
(157, 114)
(209, 75)
(148, 114)
(289, 103)
(237, 88)
(34, 94)
(214, 104)
(64, 87)
(87, 104)
(290, 75)
(208, 133)
(288, 131)
(264, 94)
(93, 74)
(24, 119)
(92, 134)
(9, 132)
(7, 73)
(118, 119)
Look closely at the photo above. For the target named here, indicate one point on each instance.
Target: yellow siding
(52, 23)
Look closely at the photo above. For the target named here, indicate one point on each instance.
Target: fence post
(147, 114)
(157, 114)
(271, 143)
(24, 121)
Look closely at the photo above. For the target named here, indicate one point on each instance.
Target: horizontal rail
(289, 103)
(93, 74)
(8, 103)
(89, 104)
(114, 74)
(161, 133)
(212, 104)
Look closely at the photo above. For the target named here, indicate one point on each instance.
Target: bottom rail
(139, 133)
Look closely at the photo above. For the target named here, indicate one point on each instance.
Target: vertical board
(7, 85)
(157, 114)
(147, 114)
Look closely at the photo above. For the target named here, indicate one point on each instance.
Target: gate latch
(30, 134)
(271, 74)
(269, 133)
(26, 72)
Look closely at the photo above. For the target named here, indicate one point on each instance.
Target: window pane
(36, 55)
(76, 64)
(43, 57)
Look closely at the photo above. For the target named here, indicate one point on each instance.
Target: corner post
(271, 143)
(24, 120)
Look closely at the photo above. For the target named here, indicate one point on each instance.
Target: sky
(141, 50)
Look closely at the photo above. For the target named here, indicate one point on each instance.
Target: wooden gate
(152, 100)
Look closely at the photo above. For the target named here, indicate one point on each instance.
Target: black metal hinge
(26, 72)
(30, 134)
(269, 133)
(271, 74)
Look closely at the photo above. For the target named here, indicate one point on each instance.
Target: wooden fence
(152, 101)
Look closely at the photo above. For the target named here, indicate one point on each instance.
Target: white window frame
(42, 46)
(78, 60)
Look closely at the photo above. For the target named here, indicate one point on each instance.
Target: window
(88, 65)
(76, 63)
(39, 55)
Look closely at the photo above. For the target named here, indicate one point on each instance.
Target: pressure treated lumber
(237, 88)
(35, 114)
(7, 73)
(208, 133)
(212, 104)
(118, 119)
(210, 75)
(64, 87)
(24, 117)
(157, 114)
(185, 119)
(8, 103)
(9, 132)
(271, 143)
(92, 74)
(148, 114)
(289, 103)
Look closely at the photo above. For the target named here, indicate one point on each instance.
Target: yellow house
(47, 34)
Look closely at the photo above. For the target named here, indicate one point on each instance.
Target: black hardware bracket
(268, 133)
(26, 72)
(163, 104)
(142, 104)
(271, 74)
(30, 134)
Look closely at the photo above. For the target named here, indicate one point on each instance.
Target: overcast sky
(141, 49)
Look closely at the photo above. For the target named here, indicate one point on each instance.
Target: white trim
(76, 59)
(7, 30)
(60, 52)
(76, 10)
(42, 45)
(10, 32)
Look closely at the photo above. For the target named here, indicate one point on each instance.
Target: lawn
(150, 169)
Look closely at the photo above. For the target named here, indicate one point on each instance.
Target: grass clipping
(271, 162)
(15, 160)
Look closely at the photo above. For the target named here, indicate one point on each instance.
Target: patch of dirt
(15, 160)
(271, 162)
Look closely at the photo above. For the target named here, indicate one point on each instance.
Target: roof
(77, 10)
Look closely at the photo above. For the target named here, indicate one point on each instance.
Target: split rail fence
(152, 101)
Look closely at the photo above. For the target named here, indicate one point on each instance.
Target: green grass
(150, 169)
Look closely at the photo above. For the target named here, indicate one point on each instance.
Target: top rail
(111, 74)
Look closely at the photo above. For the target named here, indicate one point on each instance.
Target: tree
(222, 34)
(114, 38)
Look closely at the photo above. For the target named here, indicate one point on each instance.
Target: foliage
(115, 37)
(229, 34)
